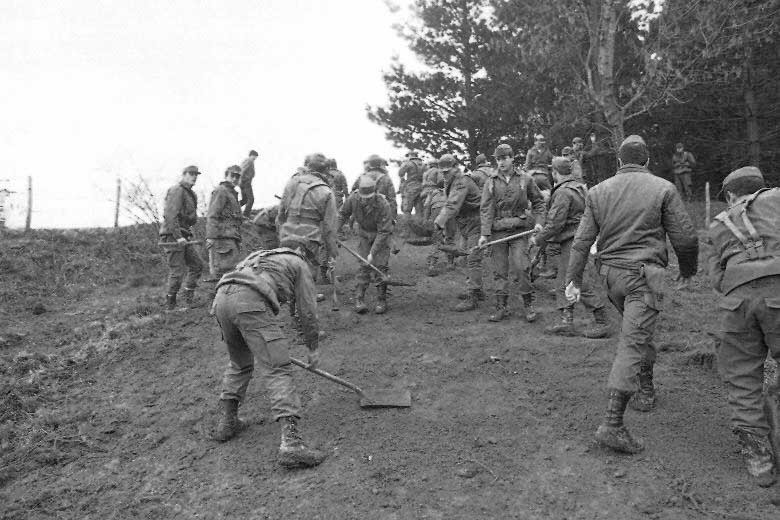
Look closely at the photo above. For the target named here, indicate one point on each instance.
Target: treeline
(704, 72)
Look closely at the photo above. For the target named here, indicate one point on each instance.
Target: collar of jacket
(632, 168)
(188, 188)
(568, 178)
(228, 185)
(495, 173)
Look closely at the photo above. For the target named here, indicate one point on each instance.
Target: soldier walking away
(431, 179)
(339, 182)
(247, 174)
(265, 226)
(744, 265)
(463, 206)
(307, 211)
(576, 164)
(505, 199)
(631, 214)
(411, 175)
(247, 302)
(682, 166)
(179, 215)
(481, 171)
(567, 203)
(376, 167)
(223, 225)
(597, 161)
(537, 164)
(374, 217)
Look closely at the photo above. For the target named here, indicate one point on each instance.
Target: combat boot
(759, 459)
(324, 278)
(565, 327)
(381, 299)
(600, 327)
(170, 302)
(470, 303)
(432, 267)
(467, 294)
(360, 301)
(293, 452)
(501, 310)
(528, 306)
(613, 433)
(229, 424)
(644, 400)
(191, 301)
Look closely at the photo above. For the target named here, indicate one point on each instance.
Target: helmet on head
(374, 162)
(503, 149)
(316, 162)
(412, 155)
(366, 186)
(481, 159)
(447, 161)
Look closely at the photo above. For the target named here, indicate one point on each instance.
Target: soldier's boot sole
(300, 457)
(618, 438)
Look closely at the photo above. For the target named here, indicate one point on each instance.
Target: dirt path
(130, 396)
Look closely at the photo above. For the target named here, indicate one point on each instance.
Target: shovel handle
(506, 239)
(366, 262)
(327, 375)
(187, 243)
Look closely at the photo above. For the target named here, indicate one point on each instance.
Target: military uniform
(463, 206)
(537, 164)
(339, 185)
(411, 175)
(431, 179)
(247, 194)
(744, 265)
(481, 174)
(307, 212)
(631, 214)
(504, 212)
(246, 305)
(179, 215)
(682, 167)
(438, 199)
(374, 217)
(265, 226)
(223, 229)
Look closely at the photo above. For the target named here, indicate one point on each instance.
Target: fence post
(29, 204)
(707, 204)
(118, 197)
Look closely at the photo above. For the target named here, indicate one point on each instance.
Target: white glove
(370, 258)
(538, 228)
(181, 240)
(482, 241)
(572, 293)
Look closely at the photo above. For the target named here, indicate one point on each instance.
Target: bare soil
(106, 406)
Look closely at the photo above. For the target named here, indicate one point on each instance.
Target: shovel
(384, 277)
(368, 398)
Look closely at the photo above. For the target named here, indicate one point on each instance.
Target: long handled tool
(368, 398)
(187, 243)
(506, 239)
(385, 278)
(334, 304)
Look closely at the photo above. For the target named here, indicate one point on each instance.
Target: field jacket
(223, 219)
(180, 212)
(505, 203)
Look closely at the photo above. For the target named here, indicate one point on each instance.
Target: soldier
(631, 214)
(247, 301)
(223, 225)
(598, 161)
(576, 164)
(431, 179)
(411, 175)
(376, 167)
(247, 174)
(265, 226)
(179, 215)
(339, 182)
(682, 166)
(567, 203)
(438, 199)
(307, 211)
(744, 264)
(374, 217)
(463, 205)
(481, 171)
(505, 198)
(577, 146)
(537, 164)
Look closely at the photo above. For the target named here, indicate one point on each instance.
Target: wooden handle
(187, 243)
(327, 375)
(366, 262)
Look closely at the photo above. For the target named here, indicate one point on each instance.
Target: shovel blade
(386, 399)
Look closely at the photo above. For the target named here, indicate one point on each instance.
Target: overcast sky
(93, 90)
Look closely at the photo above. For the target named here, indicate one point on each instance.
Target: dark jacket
(223, 219)
(567, 203)
(734, 260)
(463, 199)
(280, 275)
(180, 213)
(632, 213)
(247, 172)
(411, 171)
(374, 217)
(307, 211)
(504, 204)
(538, 159)
(384, 185)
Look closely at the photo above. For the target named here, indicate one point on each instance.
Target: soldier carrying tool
(744, 267)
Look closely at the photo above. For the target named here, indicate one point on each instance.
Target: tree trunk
(605, 68)
(751, 117)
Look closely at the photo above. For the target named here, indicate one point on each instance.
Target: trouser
(445, 236)
(514, 253)
(223, 255)
(247, 198)
(552, 252)
(412, 198)
(269, 238)
(250, 331)
(749, 319)
(469, 228)
(589, 298)
(183, 262)
(629, 292)
(684, 184)
(380, 260)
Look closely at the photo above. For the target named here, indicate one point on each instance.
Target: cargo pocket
(730, 314)
(773, 307)
(277, 346)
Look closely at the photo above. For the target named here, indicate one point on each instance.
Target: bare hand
(370, 258)
(538, 228)
(482, 241)
(572, 293)
(181, 240)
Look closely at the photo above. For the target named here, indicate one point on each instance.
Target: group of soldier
(618, 229)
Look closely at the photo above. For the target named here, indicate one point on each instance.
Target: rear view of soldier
(744, 265)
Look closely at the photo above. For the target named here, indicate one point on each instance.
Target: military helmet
(412, 155)
(375, 161)
(481, 159)
(366, 186)
(503, 149)
(447, 161)
(316, 161)
(567, 150)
